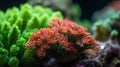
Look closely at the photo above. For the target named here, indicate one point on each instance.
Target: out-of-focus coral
(104, 30)
(85, 23)
(16, 25)
(108, 32)
(107, 11)
(64, 40)
(68, 9)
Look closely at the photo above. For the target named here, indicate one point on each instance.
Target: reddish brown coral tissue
(72, 37)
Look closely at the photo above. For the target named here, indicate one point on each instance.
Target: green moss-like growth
(16, 25)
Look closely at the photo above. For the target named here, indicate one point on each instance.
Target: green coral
(3, 56)
(13, 62)
(16, 25)
(85, 23)
(68, 8)
(109, 28)
(14, 50)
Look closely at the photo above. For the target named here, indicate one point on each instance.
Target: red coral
(68, 27)
(66, 33)
(44, 38)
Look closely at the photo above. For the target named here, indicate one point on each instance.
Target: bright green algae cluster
(16, 25)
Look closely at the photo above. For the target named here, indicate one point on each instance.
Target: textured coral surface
(63, 34)
(16, 25)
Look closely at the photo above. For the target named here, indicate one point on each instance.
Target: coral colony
(65, 35)
(16, 25)
(109, 28)
(40, 37)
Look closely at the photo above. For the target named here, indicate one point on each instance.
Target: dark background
(88, 6)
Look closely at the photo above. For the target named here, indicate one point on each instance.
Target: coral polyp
(65, 36)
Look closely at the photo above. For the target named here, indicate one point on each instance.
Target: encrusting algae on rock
(63, 37)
